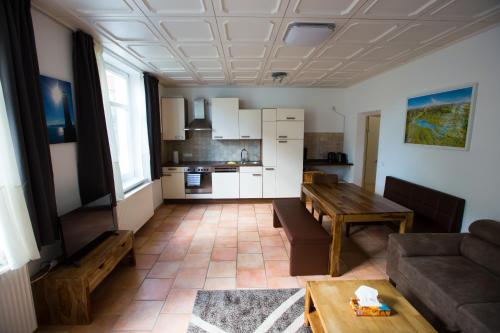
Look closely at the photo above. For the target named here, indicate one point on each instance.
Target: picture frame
(441, 118)
(58, 107)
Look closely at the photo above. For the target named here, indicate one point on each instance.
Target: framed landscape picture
(442, 118)
(58, 107)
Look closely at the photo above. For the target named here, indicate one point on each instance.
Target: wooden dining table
(349, 203)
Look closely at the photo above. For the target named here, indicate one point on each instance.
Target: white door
(289, 168)
(371, 152)
(290, 130)
(225, 185)
(250, 123)
(225, 118)
(269, 143)
(251, 184)
(269, 182)
(173, 119)
(173, 185)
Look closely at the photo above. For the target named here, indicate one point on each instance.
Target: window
(128, 122)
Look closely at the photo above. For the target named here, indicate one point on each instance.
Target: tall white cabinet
(173, 118)
(282, 152)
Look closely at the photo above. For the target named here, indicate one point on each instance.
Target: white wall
(317, 102)
(472, 175)
(53, 45)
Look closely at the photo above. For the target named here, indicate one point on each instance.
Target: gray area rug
(249, 311)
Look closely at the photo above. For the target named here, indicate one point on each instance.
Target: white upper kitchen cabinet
(269, 143)
(225, 185)
(290, 130)
(225, 118)
(290, 114)
(268, 114)
(173, 118)
(250, 182)
(250, 124)
(289, 162)
(172, 184)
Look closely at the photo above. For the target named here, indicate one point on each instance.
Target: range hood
(199, 122)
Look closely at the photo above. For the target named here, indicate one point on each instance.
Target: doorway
(371, 152)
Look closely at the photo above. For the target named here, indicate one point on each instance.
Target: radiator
(17, 312)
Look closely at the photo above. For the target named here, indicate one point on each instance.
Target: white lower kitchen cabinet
(269, 182)
(289, 162)
(173, 185)
(250, 182)
(225, 185)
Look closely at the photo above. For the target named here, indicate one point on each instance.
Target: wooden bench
(310, 243)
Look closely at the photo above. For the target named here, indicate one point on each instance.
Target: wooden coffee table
(327, 309)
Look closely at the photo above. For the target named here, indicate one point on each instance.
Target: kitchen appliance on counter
(337, 158)
(198, 179)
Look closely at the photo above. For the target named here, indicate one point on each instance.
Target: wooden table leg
(337, 222)
(406, 224)
(307, 305)
(302, 196)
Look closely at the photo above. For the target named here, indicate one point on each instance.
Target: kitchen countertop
(209, 164)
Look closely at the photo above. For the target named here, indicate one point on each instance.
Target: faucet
(244, 155)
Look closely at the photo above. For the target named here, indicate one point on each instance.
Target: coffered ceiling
(240, 42)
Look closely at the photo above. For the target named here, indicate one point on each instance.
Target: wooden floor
(184, 248)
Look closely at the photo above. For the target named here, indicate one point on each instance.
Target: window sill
(138, 187)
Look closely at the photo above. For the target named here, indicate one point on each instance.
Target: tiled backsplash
(199, 146)
(320, 144)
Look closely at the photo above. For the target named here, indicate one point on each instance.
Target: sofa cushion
(444, 283)
(479, 318)
(481, 252)
(488, 230)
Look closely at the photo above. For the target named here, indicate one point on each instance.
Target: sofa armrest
(413, 245)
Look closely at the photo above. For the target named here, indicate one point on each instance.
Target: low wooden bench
(310, 243)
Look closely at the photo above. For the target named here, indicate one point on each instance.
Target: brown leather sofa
(452, 279)
(434, 211)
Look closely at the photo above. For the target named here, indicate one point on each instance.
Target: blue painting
(58, 106)
(441, 119)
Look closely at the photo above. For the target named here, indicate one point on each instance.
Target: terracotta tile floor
(184, 248)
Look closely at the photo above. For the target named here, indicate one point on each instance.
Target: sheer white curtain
(17, 241)
(113, 143)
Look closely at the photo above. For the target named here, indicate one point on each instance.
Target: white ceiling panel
(167, 65)
(323, 65)
(179, 30)
(463, 10)
(244, 65)
(151, 51)
(367, 32)
(396, 9)
(254, 30)
(127, 30)
(323, 8)
(246, 50)
(255, 8)
(341, 51)
(240, 42)
(176, 7)
(421, 33)
(293, 52)
(204, 65)
(197, 51)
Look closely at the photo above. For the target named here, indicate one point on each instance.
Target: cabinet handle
(283, 136)
(270, 169)
(257, 175)
(218, 137)
(281, 141)
(167, 175)
(172, 169)
(245, 136)
(290, 118)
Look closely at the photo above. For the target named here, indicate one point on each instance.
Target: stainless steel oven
(198, 180)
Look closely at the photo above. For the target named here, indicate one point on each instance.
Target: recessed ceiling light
(308, 34)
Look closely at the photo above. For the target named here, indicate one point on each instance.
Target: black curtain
(20, 75)
(95, 170)
(153, 119)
